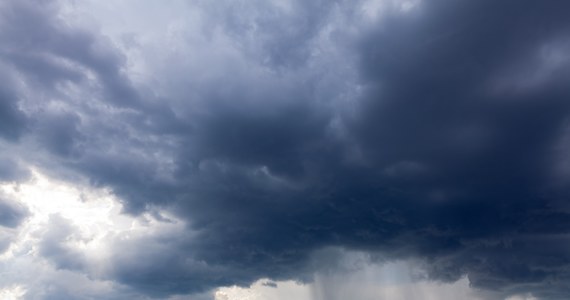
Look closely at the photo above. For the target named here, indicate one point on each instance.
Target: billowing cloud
(258, 133)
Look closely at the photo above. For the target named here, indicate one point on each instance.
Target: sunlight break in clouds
(12, 293)
(82, 223)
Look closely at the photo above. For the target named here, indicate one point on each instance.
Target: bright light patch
(261, 290)
(12, 293)
(92, 213)
(399, 280)
(522, 297)
(372, 9)
(68, 236)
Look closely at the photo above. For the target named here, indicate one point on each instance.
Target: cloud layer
(272, 130)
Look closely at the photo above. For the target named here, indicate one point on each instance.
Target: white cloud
(12, 292)
(62, 247)
(360, 279)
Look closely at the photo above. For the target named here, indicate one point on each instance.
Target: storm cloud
(268, 131)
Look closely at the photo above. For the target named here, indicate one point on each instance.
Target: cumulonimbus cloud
(279, 129)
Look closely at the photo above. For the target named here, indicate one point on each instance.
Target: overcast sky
(285, 149)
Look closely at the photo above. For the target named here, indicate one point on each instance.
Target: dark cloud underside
(434, 134)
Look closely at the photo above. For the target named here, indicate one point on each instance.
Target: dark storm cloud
(450, 159)
(445, 153)
(46, 51)
(434, 98)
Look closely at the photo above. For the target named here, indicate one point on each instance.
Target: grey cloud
(260, 161)
(55, 248)
(281, 37)
(424, 76)
(58, 133)
(47, 51)
(270, 284)
(12, 213)
(12, 118)
(11, 170)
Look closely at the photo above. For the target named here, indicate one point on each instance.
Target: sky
(285, 149)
